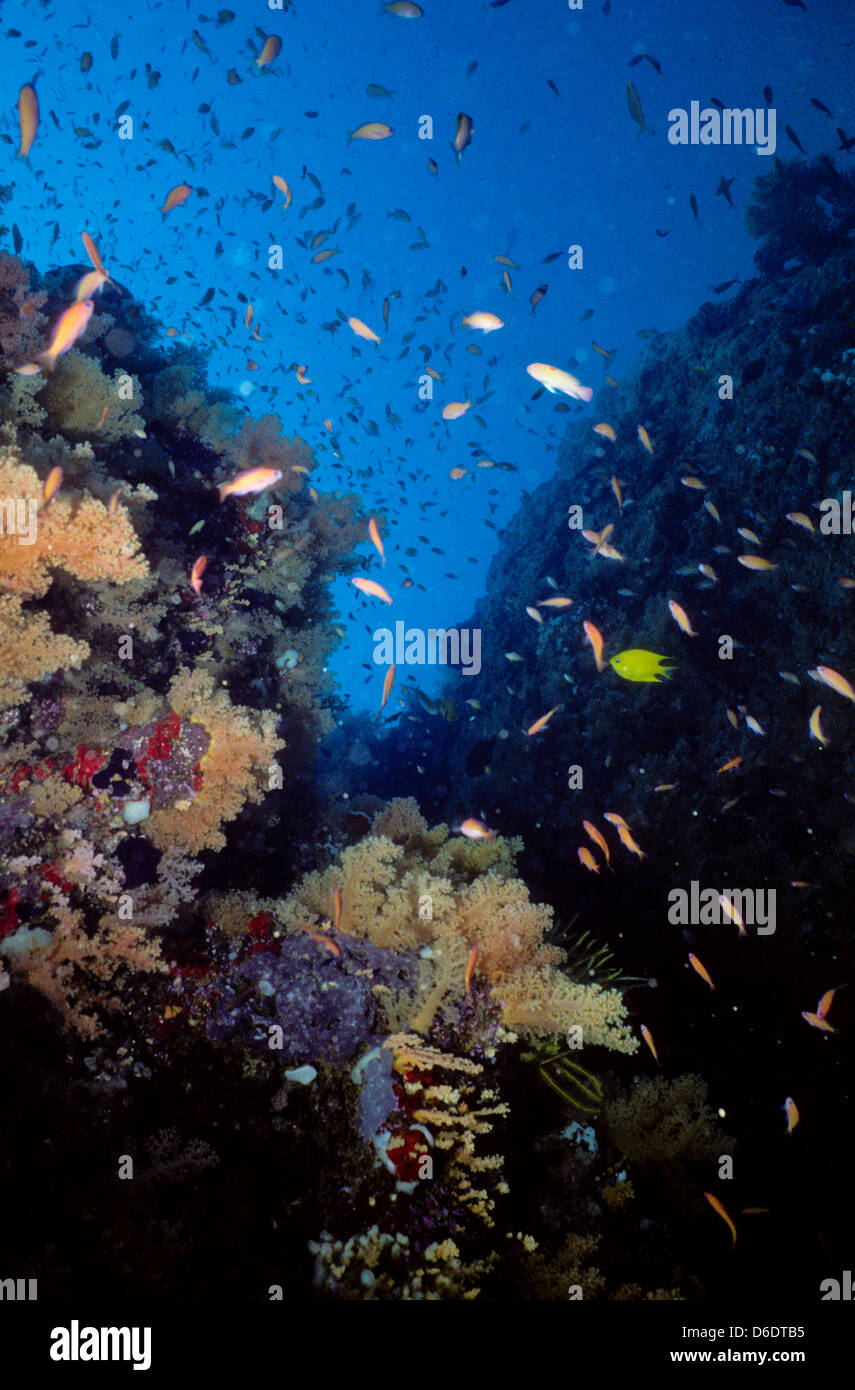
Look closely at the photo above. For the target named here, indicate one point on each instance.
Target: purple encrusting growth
(325, 1004)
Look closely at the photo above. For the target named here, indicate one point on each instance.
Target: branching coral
(74, 532)
(666, 1124)
(234, 754)
(80, 399)
(453, 895)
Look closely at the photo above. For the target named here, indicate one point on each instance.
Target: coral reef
(451, 895)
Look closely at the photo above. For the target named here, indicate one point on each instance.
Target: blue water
(544, 171)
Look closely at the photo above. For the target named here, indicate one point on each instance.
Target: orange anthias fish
(372, 130)
(820, 1018)
(28, 117)
(52, 485)
(540, 724)
(835, 681)
(470, 970)
(729, 766)
(371, 587)
(283, 189)
(175, 197)
(681, 618)
(270, 51)
(596, 640)
(374, 533)
(483, 322)
(322, 940)
(700, 969)
(587, 860)
(362, 330)
(593, 834)
(732, 911)
(554, 379)
(66, 331)
(720, 1211)
(476, 830)
(559, 601)
(624, 832)
(792, 1112)
(455, 409)
(648, 1038)
(249, 481)
(196, 574)
(645, 439)
(387, 689)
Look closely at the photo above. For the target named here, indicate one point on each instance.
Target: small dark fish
(589, 313)
(607, 7)
(538, 296)
(725, 285)
(85, 62)
(795, 4)
(795, 139)
(206, 298)
(55, 237)
(375, 90)
(497, 4)
(547, 260)
(462, 135)
(767, 93)
(473, 67)
(114, 46)
(845, 143)
(17, 239)
(312, 115)
(715, 101)
(820, 106)
(552, 86)
(654, 62)
(433, 167)
(225, 17)
(723, 190)
(233, 78)
(693, 204)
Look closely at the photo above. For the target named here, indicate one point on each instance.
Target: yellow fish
(636, 664)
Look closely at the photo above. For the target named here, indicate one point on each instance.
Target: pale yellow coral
(236, 768)
(447, 895)
(77, 391)
(30, 650)
(74, 532)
